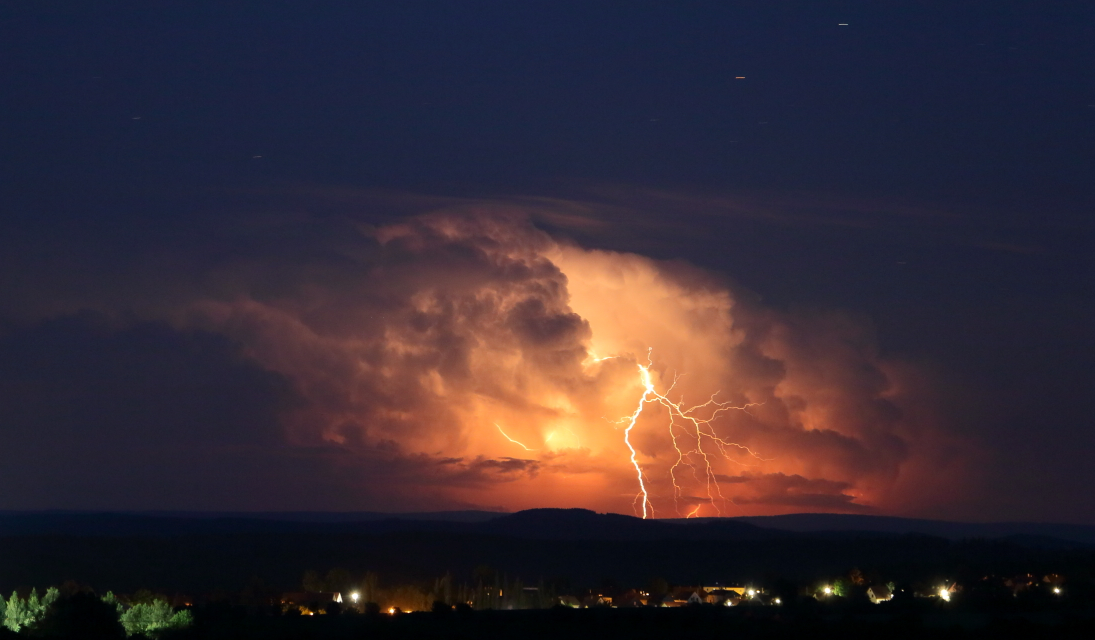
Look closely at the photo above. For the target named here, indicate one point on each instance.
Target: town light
(827, 590)
(945, 594)
(391, 611)
(751, 592)
(776, 601)
(1057, 590)
(354, 596)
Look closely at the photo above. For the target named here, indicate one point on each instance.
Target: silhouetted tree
(442, 588)
(154, 618)
(111, 600)
(338, 579)
(370, 584)
(13, 612)
(18, 613)
(786, 591)
(484, 574)
(81, 615)
(658, 587)
(408, 597)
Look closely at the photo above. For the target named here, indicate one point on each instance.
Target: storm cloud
(461, 356)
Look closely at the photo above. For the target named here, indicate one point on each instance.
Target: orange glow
(701, 428)
(511, 439)
(487, 365)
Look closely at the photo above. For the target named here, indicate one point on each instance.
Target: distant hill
(582, 524)
(534, 524)
(157, 523)
(837, 522)
(539, 524)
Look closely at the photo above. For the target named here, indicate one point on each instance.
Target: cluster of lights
(944, 593)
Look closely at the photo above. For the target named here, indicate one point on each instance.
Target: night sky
(416, 255)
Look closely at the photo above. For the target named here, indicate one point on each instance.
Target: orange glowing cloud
(493, 364)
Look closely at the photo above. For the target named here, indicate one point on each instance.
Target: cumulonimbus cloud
(498, 365)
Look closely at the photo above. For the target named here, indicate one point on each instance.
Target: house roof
(304, 597)
(880, 591)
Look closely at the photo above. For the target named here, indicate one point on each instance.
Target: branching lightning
(688, 419)
(691, 431)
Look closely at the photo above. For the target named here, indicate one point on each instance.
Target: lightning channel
(687, 420)
(511, 439)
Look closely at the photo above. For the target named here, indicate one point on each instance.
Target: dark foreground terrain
(499, 578)
(580, 548)
(661, 624)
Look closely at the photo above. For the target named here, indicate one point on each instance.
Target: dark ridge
(534, 524)
(839, 522)
(582, 524)
(157, 523)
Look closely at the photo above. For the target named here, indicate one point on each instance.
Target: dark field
(700, 622)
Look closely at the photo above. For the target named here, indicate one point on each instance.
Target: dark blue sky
(929, 166)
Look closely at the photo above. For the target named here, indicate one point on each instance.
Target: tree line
(80, 612)
(487, 589)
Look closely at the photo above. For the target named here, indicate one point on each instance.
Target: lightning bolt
(697, 427)
(648, 389)
(512, 440)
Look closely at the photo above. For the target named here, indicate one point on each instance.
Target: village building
(597, 600)
(879, 593)
(311, 602)
(569, 601)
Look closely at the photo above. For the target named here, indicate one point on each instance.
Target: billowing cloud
(778, 489)
(473, 339)
(466, 357)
